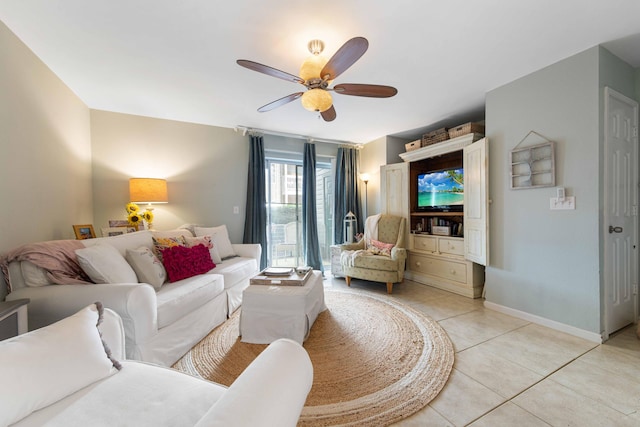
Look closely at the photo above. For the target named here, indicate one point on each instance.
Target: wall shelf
(533, 166)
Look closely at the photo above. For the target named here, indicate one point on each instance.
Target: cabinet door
(476, 211)
(394, 189)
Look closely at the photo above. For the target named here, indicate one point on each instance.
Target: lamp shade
(148, 190)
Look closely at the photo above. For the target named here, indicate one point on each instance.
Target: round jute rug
(375, 360)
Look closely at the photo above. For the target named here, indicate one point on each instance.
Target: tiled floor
(509, 372)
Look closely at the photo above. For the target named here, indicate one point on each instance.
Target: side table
(13, 318)
(336, 266)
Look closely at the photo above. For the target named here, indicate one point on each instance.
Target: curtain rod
(246, 129)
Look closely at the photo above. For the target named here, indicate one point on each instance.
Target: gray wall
(547, 263)
(205, 168)
(45, 151)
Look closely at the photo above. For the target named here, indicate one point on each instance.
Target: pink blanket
(57, 257)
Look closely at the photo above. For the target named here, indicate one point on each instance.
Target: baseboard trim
(562, 327)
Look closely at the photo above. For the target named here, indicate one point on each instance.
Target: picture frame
(117, 231)
(113, 231)
(113, 223)
(84, 231)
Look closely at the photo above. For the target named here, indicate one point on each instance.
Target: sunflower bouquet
(135, 216)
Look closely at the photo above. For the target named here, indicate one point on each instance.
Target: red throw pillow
(182, 262)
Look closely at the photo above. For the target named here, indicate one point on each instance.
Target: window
(284, 211)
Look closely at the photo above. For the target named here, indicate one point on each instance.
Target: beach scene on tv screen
(445, 188)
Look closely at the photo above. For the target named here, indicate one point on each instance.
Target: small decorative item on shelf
(136, 218)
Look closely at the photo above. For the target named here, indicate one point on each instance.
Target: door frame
(608, 95)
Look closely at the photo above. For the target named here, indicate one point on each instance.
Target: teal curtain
(346, 191)
(255, 221)
(311, 245)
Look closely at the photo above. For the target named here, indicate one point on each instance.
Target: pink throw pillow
(380, 248)
(182, 262)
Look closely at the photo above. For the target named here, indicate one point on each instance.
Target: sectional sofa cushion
(147, 266)
(220, 237)
(235, 270)
(48, 364)
(103, 263)
(176, 300)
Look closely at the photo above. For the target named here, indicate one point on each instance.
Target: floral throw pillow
(181, 262)
(161, 243)
(380, 248)
(147, 266)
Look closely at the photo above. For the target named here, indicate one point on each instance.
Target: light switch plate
(569, 202)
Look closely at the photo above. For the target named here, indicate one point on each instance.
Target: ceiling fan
(316, 74)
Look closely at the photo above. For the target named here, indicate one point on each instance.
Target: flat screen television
(441, 191)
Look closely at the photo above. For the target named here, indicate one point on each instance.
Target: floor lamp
(365, 178)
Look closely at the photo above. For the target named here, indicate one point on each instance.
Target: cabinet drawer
(451, 246)
(449, 270)
(425, 243)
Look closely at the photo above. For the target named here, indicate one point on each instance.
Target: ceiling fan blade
(279, 102)
(270, 71)
(344, 58)
(329, 115)
(372, 91)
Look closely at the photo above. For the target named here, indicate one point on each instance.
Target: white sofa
(61, 375)
(160, 325)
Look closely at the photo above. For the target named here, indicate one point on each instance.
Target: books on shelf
(444, 227)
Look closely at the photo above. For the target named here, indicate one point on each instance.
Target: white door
(476, 212)
(620, 211)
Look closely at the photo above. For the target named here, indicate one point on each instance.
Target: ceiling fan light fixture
(311, 67)
(316, 100)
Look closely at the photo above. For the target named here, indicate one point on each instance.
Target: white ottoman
(270, 312)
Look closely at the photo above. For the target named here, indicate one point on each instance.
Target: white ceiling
(176, 59)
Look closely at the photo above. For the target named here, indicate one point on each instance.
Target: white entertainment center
(453, 263)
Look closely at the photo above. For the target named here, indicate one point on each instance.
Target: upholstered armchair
(381, 255)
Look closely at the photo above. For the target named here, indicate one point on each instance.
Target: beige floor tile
(463, 399)
(538, 348)
(497, 373)
(626, 341)
(445, 307)
(509, 415)
(422, 293)
(425, 417)
(460, 343)
(561, 406)
(498, 357)
(607, 376)
(481, 325)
